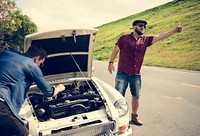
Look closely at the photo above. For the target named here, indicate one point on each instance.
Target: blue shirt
(17, 72)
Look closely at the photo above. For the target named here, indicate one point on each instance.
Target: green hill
(181, 50)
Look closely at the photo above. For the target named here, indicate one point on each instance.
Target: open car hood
(70, 51)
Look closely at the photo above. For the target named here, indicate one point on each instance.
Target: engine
(78, 97)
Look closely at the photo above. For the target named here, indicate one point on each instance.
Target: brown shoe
(134, 120)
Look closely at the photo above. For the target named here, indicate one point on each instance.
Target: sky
(60, 14)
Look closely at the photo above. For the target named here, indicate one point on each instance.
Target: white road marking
(190, 85)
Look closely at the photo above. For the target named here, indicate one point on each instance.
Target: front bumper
(127, 132)
(102, 129)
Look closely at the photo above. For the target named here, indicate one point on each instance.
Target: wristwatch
(110, 62)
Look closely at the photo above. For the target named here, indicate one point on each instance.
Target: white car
(87, 106)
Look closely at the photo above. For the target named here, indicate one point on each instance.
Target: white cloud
(58, 14)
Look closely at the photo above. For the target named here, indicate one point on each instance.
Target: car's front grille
(100, 129)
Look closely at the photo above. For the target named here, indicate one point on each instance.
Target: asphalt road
(170, 100)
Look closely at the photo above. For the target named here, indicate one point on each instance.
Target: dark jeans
(9, 124)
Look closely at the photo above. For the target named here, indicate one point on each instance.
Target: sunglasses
(142, 26)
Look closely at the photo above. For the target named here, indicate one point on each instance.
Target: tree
(14, 26)
(6, 7)
(23, 26)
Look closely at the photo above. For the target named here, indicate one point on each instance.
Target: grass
(180, 51)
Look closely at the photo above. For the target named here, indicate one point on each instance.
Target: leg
(121, 82)
(135, 105)
(135, 86)
(9, 124)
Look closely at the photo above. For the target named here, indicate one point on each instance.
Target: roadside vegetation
(14, 26)
(181, 51)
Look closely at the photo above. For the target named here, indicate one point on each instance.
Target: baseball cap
(139, 21)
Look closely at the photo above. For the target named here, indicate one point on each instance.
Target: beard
(138, 32)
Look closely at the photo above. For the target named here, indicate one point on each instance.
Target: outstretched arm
(167, 34)
(112, 58)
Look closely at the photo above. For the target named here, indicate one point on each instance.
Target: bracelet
(110, 62)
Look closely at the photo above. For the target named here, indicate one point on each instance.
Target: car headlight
(122, 107)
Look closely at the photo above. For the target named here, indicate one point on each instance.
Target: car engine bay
(79, 96)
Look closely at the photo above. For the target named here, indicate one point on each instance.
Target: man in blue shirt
(17, 72)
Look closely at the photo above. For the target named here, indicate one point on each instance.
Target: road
(170, 100)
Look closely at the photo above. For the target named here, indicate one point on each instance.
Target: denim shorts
(122, 81)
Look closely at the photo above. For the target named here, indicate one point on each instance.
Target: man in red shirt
(132, 48)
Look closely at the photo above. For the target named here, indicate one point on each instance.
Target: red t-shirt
(132, 53)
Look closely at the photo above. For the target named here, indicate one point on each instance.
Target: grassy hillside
(181, 50)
